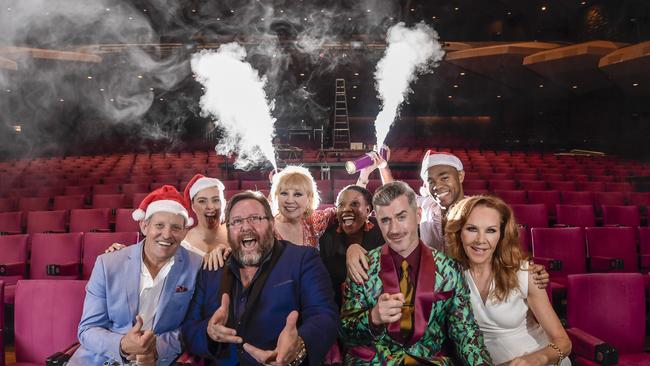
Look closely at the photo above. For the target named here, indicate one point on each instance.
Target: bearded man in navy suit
(272, 302)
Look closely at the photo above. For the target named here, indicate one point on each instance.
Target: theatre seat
(47, 314)
(92, 219)
(531, 215)
(7, 205)
(612, 249)
(46, 221)
(34, 204)
(69, 202)
(13, 261)
(95, 244)
(577, 198)
(606, 319)
(621, 216)
(512, 197)
(549, 198)
(11, 223)
(55, 256)
(576, 215)
(562, 252)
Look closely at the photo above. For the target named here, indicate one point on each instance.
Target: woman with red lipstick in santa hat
(210, 236)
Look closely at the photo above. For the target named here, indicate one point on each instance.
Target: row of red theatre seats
(605, 319)
(326, 186)
(62, 221)
(75, 197)
(538, 215)
(576, 250)
(553, 198)
(31, 186)
(53, 256)
(120, 220)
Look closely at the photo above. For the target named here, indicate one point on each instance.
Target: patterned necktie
(406, 288)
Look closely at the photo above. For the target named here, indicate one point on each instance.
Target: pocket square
(181, 288)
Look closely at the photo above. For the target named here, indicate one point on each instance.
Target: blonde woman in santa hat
(209, 237)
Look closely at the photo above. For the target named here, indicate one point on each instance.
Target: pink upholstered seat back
(609, 306)
(95, 244)
(54, 249)
(565, 244)
(46, 317)
(13, 249)
(614, 242)
(576, 215)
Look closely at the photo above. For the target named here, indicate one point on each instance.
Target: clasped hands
(139, 345)
(286, 350)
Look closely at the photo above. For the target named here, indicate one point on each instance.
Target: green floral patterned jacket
(441, 297)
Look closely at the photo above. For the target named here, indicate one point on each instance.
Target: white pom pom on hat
(163, 199)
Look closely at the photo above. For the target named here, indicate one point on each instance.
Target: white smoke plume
(235, 97)
(409, 53)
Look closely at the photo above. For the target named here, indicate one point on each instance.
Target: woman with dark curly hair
(516, 317)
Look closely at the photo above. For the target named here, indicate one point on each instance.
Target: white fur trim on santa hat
(163, 206)
(438, 159)
(203, 183)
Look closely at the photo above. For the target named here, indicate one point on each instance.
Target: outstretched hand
(217, 330)
(287, 348)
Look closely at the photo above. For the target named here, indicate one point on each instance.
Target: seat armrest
(552, 265)
(12, 269)
(605, 264)
(186, 359)
(62, 357)
(67, 269)
(585, 345)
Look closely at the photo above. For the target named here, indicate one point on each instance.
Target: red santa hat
(433, 158)
(198, 183)
(163, 199)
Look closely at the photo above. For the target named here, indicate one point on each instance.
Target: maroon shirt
(413, 260)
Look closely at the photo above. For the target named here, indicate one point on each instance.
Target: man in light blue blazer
(137, 297)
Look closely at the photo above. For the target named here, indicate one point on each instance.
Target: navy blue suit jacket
(297, 281)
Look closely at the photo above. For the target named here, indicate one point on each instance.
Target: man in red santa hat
(137, 297)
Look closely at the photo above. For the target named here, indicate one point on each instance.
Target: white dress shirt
(150, 290)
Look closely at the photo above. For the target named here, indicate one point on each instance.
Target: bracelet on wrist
(560, 354)
(302, 354)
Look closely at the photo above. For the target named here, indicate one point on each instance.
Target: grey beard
(248, 260)
(252, 259)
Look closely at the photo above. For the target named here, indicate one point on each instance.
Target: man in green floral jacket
(414, 302)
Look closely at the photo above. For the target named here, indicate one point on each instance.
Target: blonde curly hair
(295, 177)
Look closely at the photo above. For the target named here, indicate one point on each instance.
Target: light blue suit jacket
(111, 305)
